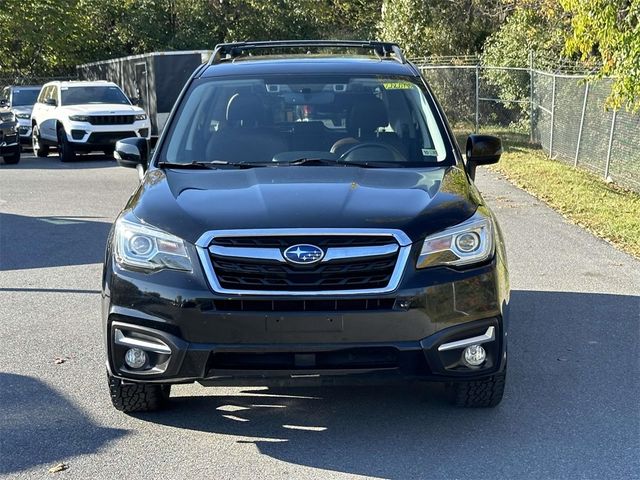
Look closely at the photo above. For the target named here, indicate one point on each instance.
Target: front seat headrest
(366, 117)
(245, 109)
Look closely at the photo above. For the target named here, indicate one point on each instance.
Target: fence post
(553, 114)
(613, 124)
(477, 97)
(584, 107)
(531, 101)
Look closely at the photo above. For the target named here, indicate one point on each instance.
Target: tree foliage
(534, 32)
(37, 36)
(439, 27)
(48, 37)
(607, 33)
(52, 36)
(537, 28)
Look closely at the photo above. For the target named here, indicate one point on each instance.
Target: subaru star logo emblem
(303, 254)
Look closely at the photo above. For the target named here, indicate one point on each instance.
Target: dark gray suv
(307, 217)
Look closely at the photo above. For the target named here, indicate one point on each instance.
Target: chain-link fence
(564, 114)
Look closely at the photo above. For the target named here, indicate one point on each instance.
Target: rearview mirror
(482, 150)
(132, 152)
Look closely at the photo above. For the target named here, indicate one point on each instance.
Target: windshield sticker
(429, 152)
(398, 85)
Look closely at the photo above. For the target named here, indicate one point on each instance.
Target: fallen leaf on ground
(58, 468)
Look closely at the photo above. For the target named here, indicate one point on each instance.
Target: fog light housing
(135, 358)
(78, 134)
(474, 355)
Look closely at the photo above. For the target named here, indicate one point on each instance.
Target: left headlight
(23, 116)
(463, 244)
(141, 116)
(145, 247)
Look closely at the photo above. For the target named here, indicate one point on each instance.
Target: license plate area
(304, 323)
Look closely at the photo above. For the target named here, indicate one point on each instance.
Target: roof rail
(224, 51)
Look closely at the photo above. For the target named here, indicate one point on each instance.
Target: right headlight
(147, 248)
(463, 244)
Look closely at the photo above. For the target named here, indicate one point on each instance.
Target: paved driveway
(571, 407)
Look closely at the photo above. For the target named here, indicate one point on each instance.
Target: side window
(4, 95)
(54, 94)
(43, 94)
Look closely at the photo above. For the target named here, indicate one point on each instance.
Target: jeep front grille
(111, 119)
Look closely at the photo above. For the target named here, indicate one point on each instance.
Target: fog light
(135, 358)
(474, 355)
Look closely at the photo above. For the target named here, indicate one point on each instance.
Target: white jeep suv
(83, 117)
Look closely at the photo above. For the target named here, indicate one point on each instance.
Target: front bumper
(24, 131)
(177, 361)
(83, 135)
(239, 340)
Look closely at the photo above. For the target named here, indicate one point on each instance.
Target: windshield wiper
(310, 161)
(212, 165)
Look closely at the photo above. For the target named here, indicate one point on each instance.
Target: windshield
(271, 119)
(85, 95)
(24, 96)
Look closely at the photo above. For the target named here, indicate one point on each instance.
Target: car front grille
(364, 263)
(111, 119)
(265, 275)
(8, 139)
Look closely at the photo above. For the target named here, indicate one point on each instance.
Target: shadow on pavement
(36, 242)
(38, 426)
(570, 409)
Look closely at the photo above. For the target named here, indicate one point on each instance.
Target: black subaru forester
(306, 217)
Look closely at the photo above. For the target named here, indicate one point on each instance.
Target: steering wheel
(397, 156)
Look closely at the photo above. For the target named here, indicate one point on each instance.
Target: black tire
(39, 150)
(138, 397)
(479, 393)
(65, 150)
(13, 158)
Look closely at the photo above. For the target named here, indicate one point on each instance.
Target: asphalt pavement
(571, 407)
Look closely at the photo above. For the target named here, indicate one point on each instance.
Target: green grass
(606, 210)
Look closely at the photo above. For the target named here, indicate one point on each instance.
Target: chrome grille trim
(203, 248)
(333, 253)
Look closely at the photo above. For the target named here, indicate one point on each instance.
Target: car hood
(23, 109)
(188, 203)
(103, 109)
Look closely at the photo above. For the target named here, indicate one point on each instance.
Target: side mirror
(4, 103)
(135, 101)
(482, 150)
(132, 152)
(52, 102)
